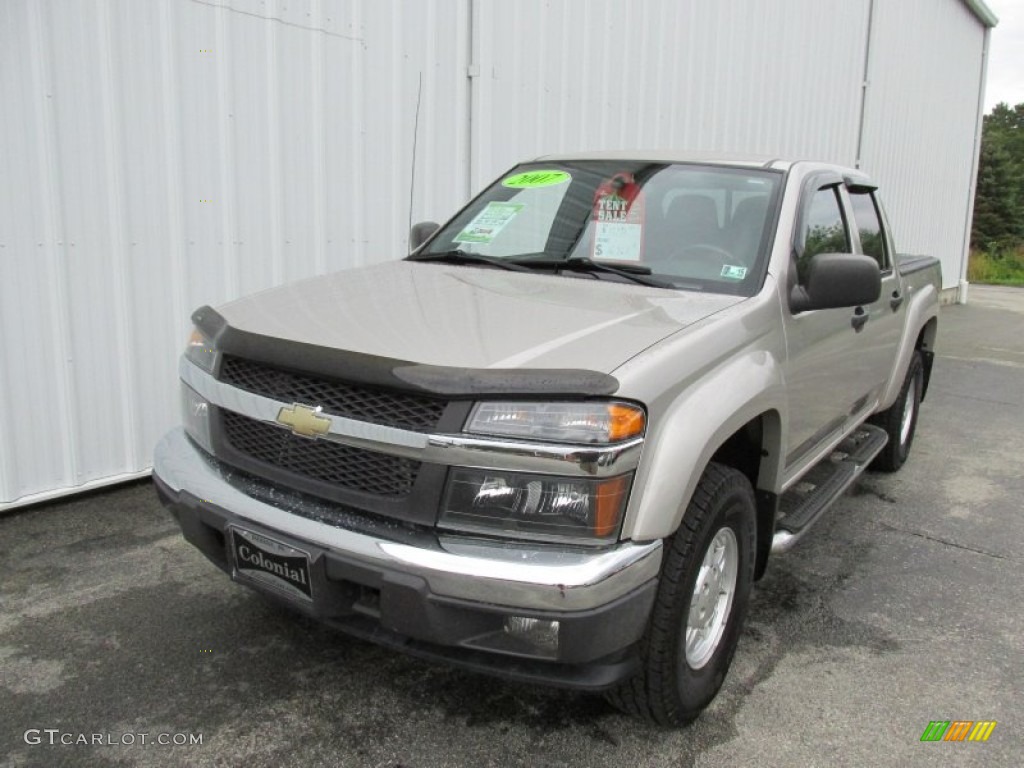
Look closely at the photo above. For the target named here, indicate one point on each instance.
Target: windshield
(691, 226)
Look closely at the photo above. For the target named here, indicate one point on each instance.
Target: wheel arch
(919, 333)
(750, 442)
(754, 450)
(926, 346)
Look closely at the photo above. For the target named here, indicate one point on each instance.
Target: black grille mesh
(340, 465)
(394, 409)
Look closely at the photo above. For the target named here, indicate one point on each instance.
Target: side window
(869, 225)
(824, 229)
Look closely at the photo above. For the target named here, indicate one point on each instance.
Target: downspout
(961, 297)
(865, 82)
(472, 96)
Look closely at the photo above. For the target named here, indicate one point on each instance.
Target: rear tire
(702, 599)
(900, 420)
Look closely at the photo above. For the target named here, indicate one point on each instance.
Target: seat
(693, 220)
(745, 230)
(690, 220)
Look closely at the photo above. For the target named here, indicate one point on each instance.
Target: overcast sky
(1006, 55)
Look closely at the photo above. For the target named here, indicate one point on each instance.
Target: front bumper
(443, 597)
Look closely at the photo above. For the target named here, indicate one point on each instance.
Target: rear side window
(824, 229)
(869, 225)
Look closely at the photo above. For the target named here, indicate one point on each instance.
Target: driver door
(826, 377)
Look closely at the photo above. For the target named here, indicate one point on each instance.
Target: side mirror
(837, 280)
(420, 233)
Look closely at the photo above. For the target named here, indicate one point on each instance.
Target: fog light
(540, 633)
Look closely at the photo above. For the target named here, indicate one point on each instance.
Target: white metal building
(157, 155)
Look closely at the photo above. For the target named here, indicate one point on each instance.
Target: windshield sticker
(618, 218)
(617, 241)
(533, 179)
(734, 273)
(489, 222)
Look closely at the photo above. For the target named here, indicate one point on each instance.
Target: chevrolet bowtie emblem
(304, 420)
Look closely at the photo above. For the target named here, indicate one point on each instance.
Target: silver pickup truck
(560, 440)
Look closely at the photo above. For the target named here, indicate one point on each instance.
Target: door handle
(895, 301)
(859, 318)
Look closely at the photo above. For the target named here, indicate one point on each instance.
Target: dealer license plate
(271, 563)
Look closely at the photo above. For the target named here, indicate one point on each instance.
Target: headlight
(200, 350)
(195, 417)
(534, 506)
(582, 422)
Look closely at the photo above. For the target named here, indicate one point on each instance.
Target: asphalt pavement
(902, 606)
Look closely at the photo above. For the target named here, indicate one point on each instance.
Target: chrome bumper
(507, 574)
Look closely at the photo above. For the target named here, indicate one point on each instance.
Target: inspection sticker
(489, 222)
(734, 273)
(532, 179)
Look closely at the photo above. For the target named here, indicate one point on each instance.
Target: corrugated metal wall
(162, 155)
(157, 156)
(922, 111)
(710, 75)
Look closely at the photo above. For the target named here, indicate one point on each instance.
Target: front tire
(900, 419)
(700, 606)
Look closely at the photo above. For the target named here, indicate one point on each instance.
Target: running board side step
(826, 481)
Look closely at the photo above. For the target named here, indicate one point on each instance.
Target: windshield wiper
(459, 256)
(633, 272)
(636, 273)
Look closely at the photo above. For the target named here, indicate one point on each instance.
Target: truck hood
(473, 317)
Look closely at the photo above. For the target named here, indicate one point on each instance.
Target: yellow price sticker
(531, 179)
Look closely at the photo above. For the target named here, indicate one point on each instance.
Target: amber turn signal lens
(200, 350)
(611, 497)
(624, 421)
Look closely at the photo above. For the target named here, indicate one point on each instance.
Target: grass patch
(996, 268)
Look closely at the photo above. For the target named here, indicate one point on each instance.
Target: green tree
(1008, 123)
(999, 201)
